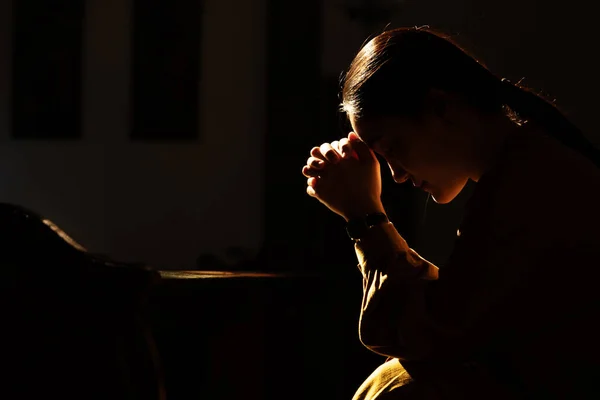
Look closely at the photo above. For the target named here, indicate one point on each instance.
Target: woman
(512, 314)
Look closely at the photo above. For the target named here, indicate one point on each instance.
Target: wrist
(357, 228)
(361, 212)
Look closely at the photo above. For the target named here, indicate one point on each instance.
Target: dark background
(173, 132)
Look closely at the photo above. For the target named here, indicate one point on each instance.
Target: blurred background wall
(268, 78)
(165, 201)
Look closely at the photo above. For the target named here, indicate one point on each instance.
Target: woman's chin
(445, 195)
(442, 198)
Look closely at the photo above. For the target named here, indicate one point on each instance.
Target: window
(47, 69)
(166, 69)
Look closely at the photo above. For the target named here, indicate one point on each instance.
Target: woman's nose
(399, 177)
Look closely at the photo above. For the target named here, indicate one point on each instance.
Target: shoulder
(541, 187)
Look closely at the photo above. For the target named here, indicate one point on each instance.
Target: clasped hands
(345, 176)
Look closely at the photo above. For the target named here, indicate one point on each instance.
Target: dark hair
(395, 70)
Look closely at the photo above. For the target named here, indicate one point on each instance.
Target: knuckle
(326, 149)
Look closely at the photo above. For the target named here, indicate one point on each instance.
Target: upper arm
(474, 297)
(515, 268)
(496, 283)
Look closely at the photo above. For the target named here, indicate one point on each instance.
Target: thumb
(362, 150)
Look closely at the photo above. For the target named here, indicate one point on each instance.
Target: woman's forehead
(369, 131)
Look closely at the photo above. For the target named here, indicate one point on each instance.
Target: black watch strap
(358, 227)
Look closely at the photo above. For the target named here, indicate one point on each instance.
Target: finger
(315, 163)
(310, 172)
(344, 147)
(362, 150)
(316, 153)
(310, 188)
(336, 146)
(329, 152)
(312, 182)
(353, 136)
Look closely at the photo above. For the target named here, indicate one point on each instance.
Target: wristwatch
(358, 227)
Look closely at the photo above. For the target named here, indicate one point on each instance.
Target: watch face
(356, 228)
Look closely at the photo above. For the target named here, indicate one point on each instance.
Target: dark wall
(161, 200)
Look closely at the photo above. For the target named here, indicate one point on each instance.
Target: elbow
(386, 342)
(368, 339)
(380, 341)
(384, 347)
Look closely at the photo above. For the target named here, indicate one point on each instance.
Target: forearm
(393, 314)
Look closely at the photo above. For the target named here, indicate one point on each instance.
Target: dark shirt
(515, 308)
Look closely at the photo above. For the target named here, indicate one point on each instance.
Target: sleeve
(412, 311)
(394, 281)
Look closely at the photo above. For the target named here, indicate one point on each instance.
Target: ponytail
(530, 107)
